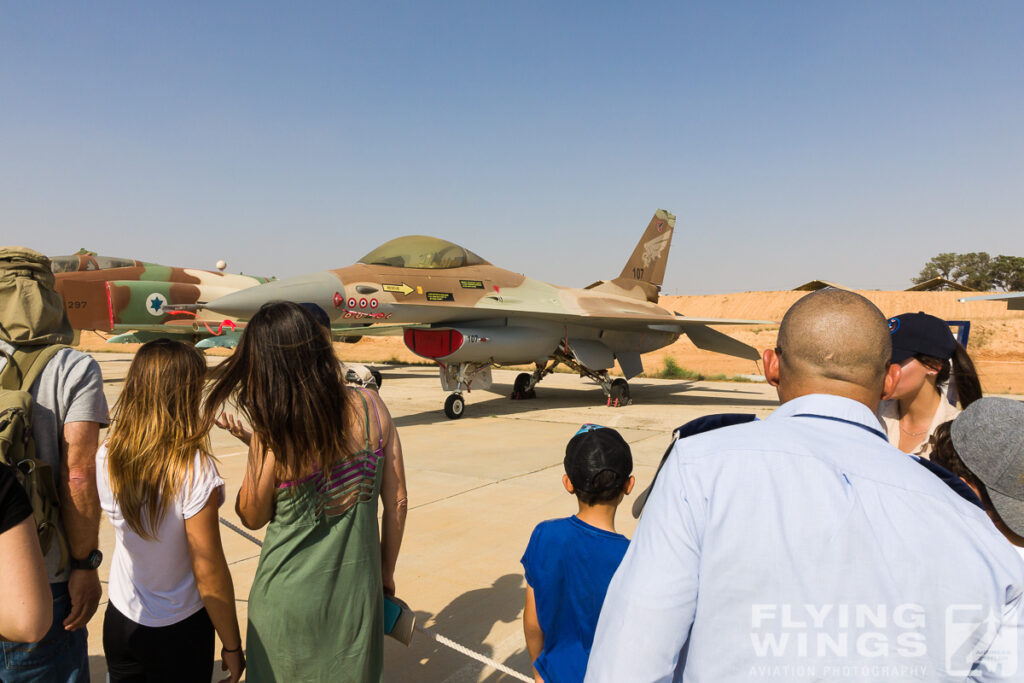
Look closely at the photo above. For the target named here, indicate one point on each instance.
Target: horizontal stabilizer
(704, 337)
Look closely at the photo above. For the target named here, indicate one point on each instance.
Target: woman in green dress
(320, 456)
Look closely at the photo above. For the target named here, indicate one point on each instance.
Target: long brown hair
(156, 431)
(960, 369)
(285, 379)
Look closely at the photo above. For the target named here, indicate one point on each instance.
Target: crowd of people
(872, 527)
(322, 458)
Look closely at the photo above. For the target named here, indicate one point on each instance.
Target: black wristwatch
(91, 562)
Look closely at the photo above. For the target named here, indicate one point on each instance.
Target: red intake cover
(433, 343)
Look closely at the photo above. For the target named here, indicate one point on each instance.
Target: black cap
(593, 452)
(920, 333)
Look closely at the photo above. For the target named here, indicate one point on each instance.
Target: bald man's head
(832, 338)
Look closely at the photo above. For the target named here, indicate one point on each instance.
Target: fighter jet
(139, 301)
(467, 315)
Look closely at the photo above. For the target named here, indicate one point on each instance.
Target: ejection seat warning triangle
(402, 288)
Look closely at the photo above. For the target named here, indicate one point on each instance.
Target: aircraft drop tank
(322, 289)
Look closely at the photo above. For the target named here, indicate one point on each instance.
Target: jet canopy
(87, 261)
(421, 251)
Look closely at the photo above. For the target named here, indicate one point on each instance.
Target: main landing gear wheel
(454, 406)
(520, 388)
(377, 377)
(619, 393)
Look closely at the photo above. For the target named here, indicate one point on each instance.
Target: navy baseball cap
(920, 333)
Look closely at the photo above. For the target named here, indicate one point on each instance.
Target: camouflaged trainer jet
(456, 309)
(138, 301)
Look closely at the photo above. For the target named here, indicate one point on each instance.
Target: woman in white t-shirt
(169, 581)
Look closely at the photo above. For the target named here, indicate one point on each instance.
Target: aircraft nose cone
(322, 289)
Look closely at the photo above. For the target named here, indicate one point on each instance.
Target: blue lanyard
(876, 432)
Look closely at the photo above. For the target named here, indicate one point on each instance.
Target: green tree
(974, 270)
(1008, 273)
(939, 266)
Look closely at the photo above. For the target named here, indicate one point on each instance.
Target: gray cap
(989, 437)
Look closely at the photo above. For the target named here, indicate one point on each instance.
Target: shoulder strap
(24, 367)
(39, 364)
(366, 416)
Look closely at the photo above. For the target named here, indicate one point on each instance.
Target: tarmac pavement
(477, 487)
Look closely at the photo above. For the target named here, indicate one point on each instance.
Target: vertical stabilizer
(647, 264)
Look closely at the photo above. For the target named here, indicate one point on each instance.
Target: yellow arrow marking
(403, 288)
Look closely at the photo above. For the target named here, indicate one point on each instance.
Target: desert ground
(996, 341)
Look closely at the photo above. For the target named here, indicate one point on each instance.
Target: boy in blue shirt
(570, 562)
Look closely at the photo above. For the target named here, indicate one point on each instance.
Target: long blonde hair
(156, 430)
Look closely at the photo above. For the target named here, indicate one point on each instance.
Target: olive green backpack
(32, 319)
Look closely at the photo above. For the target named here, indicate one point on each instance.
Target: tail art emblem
(654, 247)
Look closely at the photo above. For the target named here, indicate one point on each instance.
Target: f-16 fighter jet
(456, 309)
(139, 301)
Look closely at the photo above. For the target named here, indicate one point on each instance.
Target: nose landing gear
(454, 406)
(458, 378)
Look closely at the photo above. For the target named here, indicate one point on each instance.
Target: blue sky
(794, 140)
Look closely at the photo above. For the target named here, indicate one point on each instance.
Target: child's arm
(532, 630)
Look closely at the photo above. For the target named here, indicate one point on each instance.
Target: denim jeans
(60, 657)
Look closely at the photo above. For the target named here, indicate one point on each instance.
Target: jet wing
(375, 330)
(224, 332)
(1014, 302)
(697, 329)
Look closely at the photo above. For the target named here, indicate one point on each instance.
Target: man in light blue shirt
(804, 547)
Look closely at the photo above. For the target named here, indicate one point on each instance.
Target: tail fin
(647, 264)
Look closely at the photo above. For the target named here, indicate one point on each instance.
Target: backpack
(18, 447)
(33, 320)
(31, 311)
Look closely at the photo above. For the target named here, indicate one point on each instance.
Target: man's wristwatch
(91, 562)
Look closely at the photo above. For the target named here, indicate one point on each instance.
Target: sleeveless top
(316, 604)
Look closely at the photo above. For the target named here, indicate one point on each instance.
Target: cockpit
(88, 261)
(421, 251)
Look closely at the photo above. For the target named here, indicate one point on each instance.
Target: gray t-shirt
(70, 389)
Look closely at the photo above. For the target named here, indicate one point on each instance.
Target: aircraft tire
(519, 390)
(454, 406)
(620, 392)
(377, 377)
